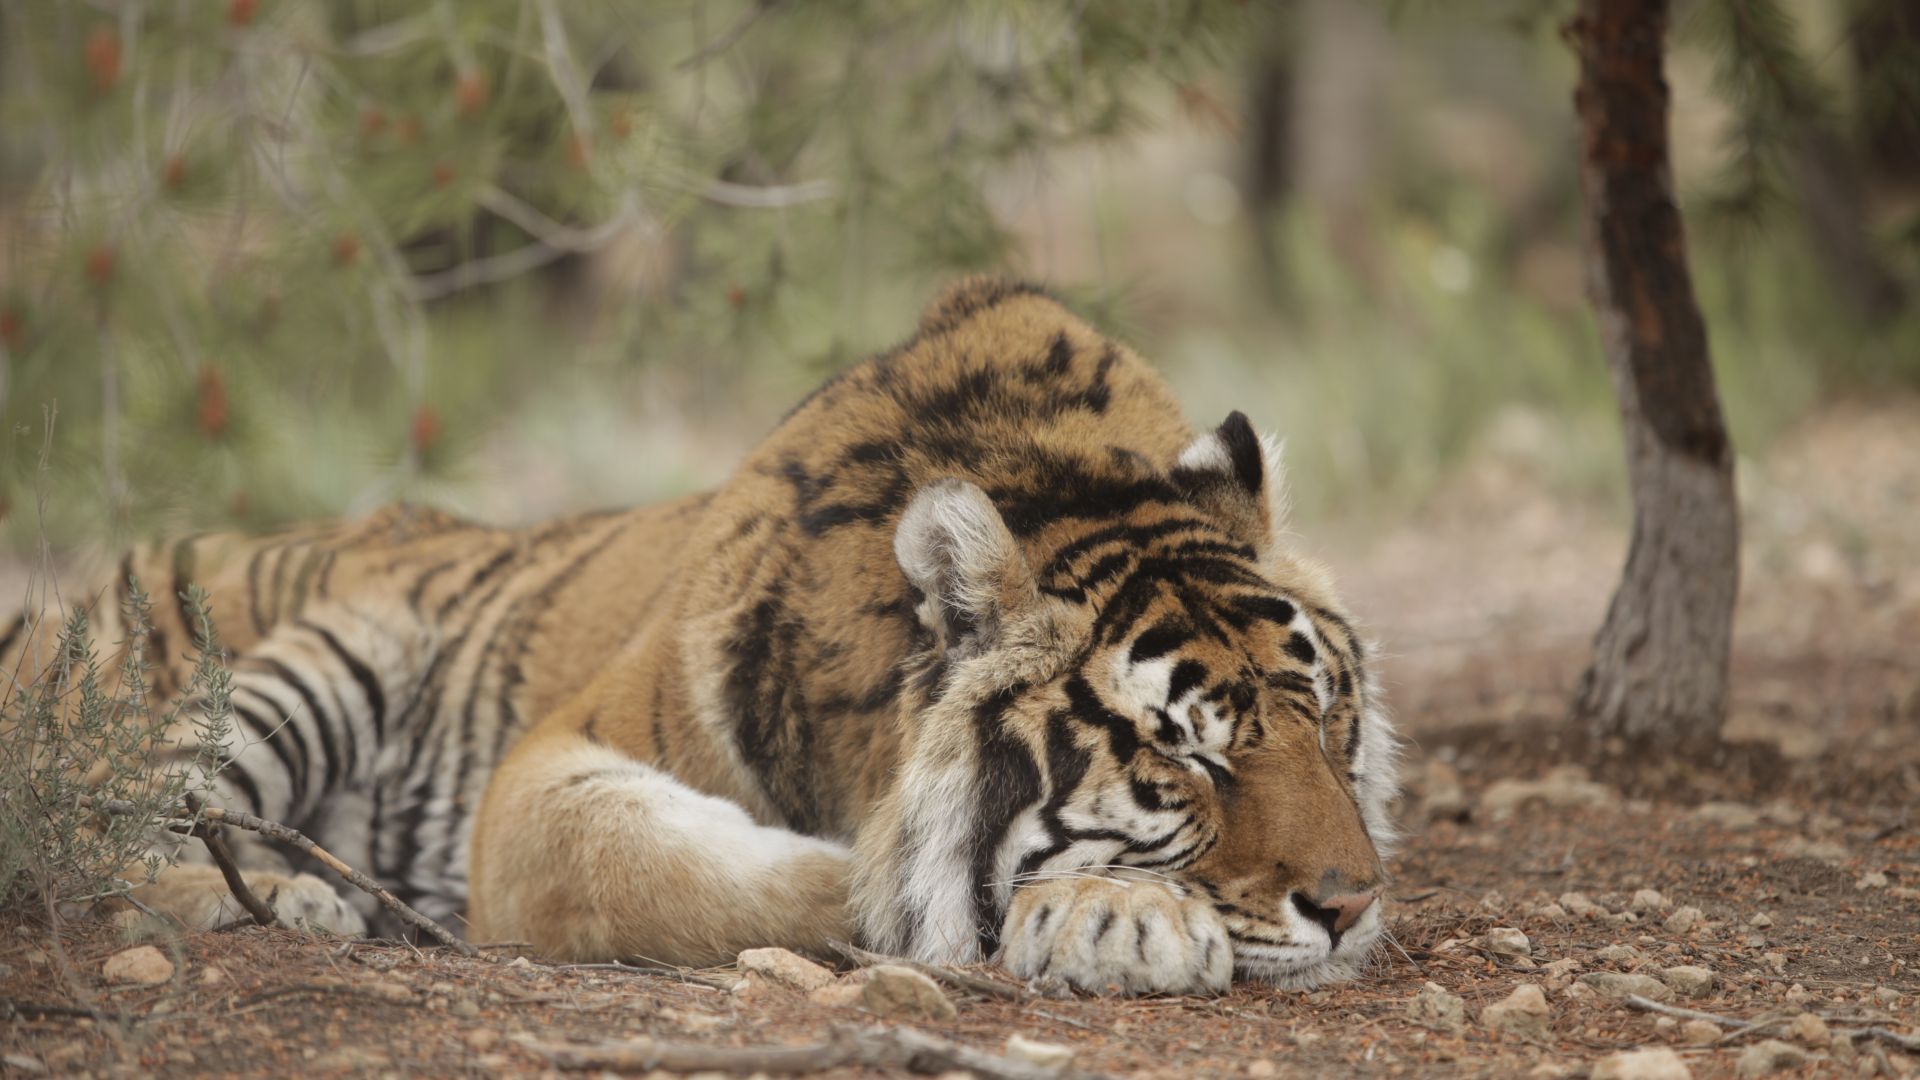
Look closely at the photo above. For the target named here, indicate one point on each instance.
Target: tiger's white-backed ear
(1237, 476)
(955, 548)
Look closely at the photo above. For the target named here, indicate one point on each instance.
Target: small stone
(481, 1040)
(1549, 1070)
(1580, 906)
(1768, 1056)
(1799, 847)
(784, 968)
(1760, 921)
(35, 957)
(1434, 1007)
(1523, 1012)
(1728, 815)
(520, 962)
(902, 992)
(1682, 920)
(142, 965)
(1506, 941)
(350, 1057)
(212, 976)
(1776, 961)
(465, 1008)
(1810, 1029)
(1617, 985)
(1616, 954)
(1579, 992)
(389, 990)
(1665, 1025)
(1688, 981)
(1549, 911)
(1885, 995)
(1799, 995)
(1659, 1063)
(1262, 1069)
(1700, 1032)
(26, 1063)
(1647, 900)
(1044, 1054)
(840, 995)
(1872, 879)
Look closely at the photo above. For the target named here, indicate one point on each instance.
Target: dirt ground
(1796, 847)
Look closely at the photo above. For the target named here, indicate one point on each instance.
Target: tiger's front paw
(1099, 933)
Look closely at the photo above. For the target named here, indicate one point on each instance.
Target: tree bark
(1659, 672)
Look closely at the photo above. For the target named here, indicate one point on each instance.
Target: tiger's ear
(955, 548)
(1236, 477)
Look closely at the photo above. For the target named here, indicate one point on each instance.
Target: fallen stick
(872, 1047)
(1905, 1042)
(960, 979)
(1635, 1001)
(210, 835)
(186, 822)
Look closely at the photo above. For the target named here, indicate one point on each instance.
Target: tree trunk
(1659, 673)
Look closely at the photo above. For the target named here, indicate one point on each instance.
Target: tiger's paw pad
(1104, 935)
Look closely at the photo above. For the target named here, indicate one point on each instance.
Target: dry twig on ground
(186, 821)
(959, 979)
(872, 1047)
(210, 835)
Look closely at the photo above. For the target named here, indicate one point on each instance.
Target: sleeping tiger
(983, 654)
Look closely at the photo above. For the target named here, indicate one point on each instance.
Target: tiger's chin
(1305, 966)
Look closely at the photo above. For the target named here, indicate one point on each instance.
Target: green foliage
(237, 230)
(75, 740)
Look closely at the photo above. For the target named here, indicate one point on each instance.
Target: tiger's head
(1153, 687)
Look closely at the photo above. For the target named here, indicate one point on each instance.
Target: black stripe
(322, 723)
(254, 590)
(13, 631)
(270, 735)
(362, 674)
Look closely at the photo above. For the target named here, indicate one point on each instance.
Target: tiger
(982, 655)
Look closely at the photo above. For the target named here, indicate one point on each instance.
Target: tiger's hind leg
(588, 854)
(313, 704)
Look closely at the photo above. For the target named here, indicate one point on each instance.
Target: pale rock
(26, 1063)
(784, 968)
(1810, 1029)
(1688, 981)
(1799, 847)
(35, 957)
(142, 965)
(481, 1040)
(1564, 966)
(1580, 906)
(1777, 962)
(1034, 1052)
(1659, 1063)
(840, 995)
(1766, 1057)
(350, 1057)
(1549, 911)
(389, 990)
(1728, 815)
(1647, 900)
(1565, 786)
(1444, 798)
(1901, 892)
(1799, 995)
(1761, 921)
(1872, 879)
(1262, 1069)
(1617, 954)
(1682, 920)
(1700, 1032)
(1579, 992)
(1523, 1012)
(1885, 995)
(212, 976)
(1521, 963)
(1434, 1007)
(1506, 941)
(1621, 918)
(465, 1008)
(1614, 984)
(1665, 1025)
(1549, 1070)
(904, 993)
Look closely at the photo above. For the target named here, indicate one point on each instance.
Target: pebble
(142, 965)
(465, 1008)
(1768, 1056)
(1044, 1054)
(1647, 900)
(26, 1063)
(1614, 954)
(481, 1040)
(1262, 1069)
(1580, 906)
(1682, 920)
(1614, 984)
(1760, 921)
(390, 990)
(1658, 1063)
(1523, 1012)
(1506, 941)
(1434, 1007)
(1799, 995)
(1689, 981)
(1700, 1032)
(1561, 787)
(1549, 911)
(785, 968)
(841, 995)
(902, 992)
(1775, 961)
(1728, 815)
(1872, 879)
(1810, 1029)
(1885, 995)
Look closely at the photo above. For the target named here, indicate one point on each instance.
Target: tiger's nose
(1337, 913)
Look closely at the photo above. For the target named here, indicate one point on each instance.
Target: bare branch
(872, 1047)
(210, 835)
(749, 197)
(728, 36)
(960, 979)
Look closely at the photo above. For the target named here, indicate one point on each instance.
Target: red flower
(424, 431)
(211, 391)
(103, 57)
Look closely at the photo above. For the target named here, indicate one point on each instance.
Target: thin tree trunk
(1659, 673)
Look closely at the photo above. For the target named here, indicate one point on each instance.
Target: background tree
(1659, 673)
